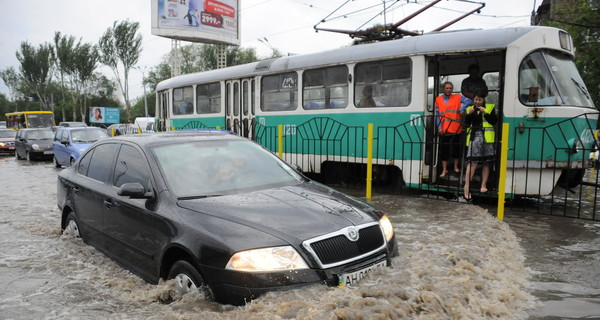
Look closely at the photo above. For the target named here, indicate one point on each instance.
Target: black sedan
(219, 214)
(34, 143)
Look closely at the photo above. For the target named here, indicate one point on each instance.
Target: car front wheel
(56, 164)
(188, 279)
(71, 227)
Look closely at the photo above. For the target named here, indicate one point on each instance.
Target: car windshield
(8, 134)
(210, 168)
(40, 135)
(88, 135)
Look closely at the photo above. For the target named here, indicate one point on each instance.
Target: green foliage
(121, 47)
(35, 69)
(583, 23)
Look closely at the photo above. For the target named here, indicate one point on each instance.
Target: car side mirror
(134, 190)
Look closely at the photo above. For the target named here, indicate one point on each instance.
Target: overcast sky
(286, 25)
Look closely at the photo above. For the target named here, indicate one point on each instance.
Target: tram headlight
(576, 145)
(267, 259)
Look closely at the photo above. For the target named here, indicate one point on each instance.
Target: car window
(131, 166)
(209, 168)
(40, 135)
(84, 163)
(58, 135)
(101, 161)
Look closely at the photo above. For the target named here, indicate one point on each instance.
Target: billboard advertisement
(209, 21)
(104, 115)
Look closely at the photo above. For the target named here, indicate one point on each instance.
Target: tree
(120, 49)
(63, 46)
(35, 69)
(12, 81)
(83, 66)
(582, 21)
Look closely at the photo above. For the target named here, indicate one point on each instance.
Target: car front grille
(336, 248)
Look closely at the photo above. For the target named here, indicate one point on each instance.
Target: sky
(286, 25)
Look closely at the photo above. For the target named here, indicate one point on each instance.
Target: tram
(529, 71)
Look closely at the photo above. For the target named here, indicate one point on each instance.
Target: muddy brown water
(456, 262)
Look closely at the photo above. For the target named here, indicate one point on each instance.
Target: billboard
(208, 21)
(104, 115)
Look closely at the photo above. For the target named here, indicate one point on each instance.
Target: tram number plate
(348, 279)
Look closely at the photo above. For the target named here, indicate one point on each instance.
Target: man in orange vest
(447, 107)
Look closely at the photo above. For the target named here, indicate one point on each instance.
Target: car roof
(167, 137)
(79, 128)
(35, 129)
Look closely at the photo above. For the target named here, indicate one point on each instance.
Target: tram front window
(548, 78)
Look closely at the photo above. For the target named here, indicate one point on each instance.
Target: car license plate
(348, 279)
(48, 152)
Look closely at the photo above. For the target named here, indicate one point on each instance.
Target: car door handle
(108, 203)
(76, 190)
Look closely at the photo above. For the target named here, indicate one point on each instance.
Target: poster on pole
(104, 115)
(208, 21)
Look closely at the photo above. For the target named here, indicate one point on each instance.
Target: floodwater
(456, 262)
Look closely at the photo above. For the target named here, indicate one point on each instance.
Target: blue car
(70, 142)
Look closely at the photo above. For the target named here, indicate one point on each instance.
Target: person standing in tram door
(472, 84)
(480, 119)
(449, 126)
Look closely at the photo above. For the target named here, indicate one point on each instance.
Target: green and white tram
(318, 99)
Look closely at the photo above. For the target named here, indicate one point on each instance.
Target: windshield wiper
(582, 88)
(199, 197)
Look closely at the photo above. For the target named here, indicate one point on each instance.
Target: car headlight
(35, 147)
(267, 259)
(387, 228)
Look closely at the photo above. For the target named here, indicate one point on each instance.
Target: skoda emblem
(352, 233)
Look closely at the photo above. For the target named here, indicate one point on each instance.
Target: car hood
(42, 143)
(291, 213)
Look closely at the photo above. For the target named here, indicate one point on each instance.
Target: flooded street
(456, 262)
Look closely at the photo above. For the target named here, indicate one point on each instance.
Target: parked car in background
(72, 124)
(145, 124)
(34, 143)
(7, 141)
(2, 124)
(218, 213)
(119, 129)
(70, 142)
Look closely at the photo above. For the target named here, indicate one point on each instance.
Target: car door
(58, 146)
(91, 188)
(130, 223)
(19, 145)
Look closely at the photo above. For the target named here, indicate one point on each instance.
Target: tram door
(240, 106)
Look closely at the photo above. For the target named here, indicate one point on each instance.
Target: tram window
(279, 92)
(245, 98)
(208, 98)
(325, 88)
(252, 95)
(383, 83)
(236, 99)
(183, 100)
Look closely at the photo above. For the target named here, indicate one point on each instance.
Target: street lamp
(144, 86)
